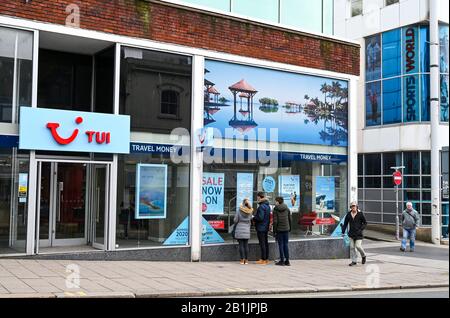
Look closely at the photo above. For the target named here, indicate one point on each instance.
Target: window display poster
(151, 189)
(213, 188)
(23, 187)
(244, 187)
(181, 235)
(289, 189)
(325, 194)
(268, 184)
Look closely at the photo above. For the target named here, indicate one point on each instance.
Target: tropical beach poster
(151, 189)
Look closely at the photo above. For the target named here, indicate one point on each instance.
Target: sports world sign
(411, 66)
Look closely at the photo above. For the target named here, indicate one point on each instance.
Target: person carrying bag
(241, 229)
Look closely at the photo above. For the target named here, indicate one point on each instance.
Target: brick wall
(173, 24)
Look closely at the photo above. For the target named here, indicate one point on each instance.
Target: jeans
(243, 248)
(411, 235)
(283, 245)
(356, 245)
(263, 238)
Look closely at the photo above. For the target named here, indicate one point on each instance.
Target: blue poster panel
(411, 98)
(289, 189)
(325, 194)
(213, 188)
(444, 43)
(373, 104)
(392, 56)
(425, 97)
(151, 191)
(410, 50)
(392, 101)
(444, 98)
(269, 184)
(373, 58)
(181, 234)
(244, 188)
(247, 102)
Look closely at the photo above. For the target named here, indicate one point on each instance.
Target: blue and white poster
(269, 184)
(244, 188)
(289, 189)
(181, 235)
(213, 188)
(325, 194)
(151, 191)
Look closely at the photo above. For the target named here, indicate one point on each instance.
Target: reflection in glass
(392, 53)
(373, 58)
(392, 101)
(373, 104)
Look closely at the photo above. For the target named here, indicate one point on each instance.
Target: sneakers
(280, 263)
(261, 262)
(242, 262)
(286, 263)
(266, 262)
(402, 249)
(364, 260)
(245, 261)
(352, 264)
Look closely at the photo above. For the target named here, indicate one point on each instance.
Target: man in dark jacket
(355, 218)
(262, 224)
(281, 227)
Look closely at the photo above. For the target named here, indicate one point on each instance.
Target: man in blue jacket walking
(262, 224)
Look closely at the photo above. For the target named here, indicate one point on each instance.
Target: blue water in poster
(213, 188)
(181, 235)
(325, 194)
(244, 188)
(305, 109)
(289, 189)
(151, 190)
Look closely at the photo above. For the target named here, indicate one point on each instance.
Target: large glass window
(155, 90)
(392, 101)
(424, 49)
(150, 228)
(425, 96)
(392, 53)
(411, 162)
(391, 159)
(373, 58)
(260, 9)
(373, 104)
(304, 14)
(444, 98)
(13, 200)
(411, 98)
(356, 7)
(372, 164)
(16, 70)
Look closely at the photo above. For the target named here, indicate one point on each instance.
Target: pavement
(385, 270)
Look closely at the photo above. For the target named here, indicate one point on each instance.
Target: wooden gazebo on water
(243, 90)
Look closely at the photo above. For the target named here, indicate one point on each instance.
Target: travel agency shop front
(138, 135)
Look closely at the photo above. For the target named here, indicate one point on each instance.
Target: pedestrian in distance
(356, 221)
(242, 223)
(410, 223)
(262, 225)
(281, 227)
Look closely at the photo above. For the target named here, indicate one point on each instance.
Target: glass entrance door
(99, 204)
(62, 204)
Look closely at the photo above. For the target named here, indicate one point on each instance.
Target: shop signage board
(289, 189)
(181, 235)
(136, 147)
(325, 194)
(61, 130)
(244, 188)
(151, 191)
(213, 188)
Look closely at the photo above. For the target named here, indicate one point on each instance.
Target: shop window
(373, 58)
(444, 48)
(170, 100)
(425, 94)
(411, 182)
(373, 104)
(65, 81)
(372, 164)
(16, 66)
(104, 81)
(155, 87)
(356, 7)
(392, 101)
(444, 98)
(392, 53)
(260, 9)
(372, 182)
(391, 159)
(411, 162)
(152, 201)
(411, 195)
(424, 49)
(360, 165)
(411, 98)
(426, 162)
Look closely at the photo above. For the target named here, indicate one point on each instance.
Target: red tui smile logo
(100, 137)
(60, 140)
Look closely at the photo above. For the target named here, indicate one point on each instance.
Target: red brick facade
(158, 21)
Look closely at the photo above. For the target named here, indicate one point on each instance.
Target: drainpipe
(435, 122)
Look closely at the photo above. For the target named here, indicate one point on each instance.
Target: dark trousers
(243, 248)
(283, 245)
(263, 238)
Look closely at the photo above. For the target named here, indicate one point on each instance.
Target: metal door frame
(89, 230)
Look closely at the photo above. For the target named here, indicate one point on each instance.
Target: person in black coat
(357, 222)
(262, 224)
